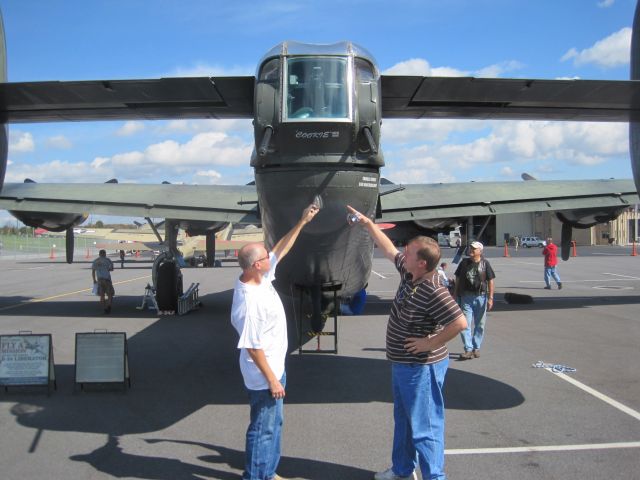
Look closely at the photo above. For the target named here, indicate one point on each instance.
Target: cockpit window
(270, 71)
(364, 71)
(317, 88)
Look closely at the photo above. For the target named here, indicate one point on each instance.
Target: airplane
(317, 112)
(191, 250)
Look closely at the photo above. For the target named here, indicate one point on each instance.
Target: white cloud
(410, 131)
(180, 161)
(59, 141)
(507, 172)
(54, 171)
(413, 66)
(605, 3)
(495, 70)
(502, 148)
(203, 69)
(208, 176)
(421, 67)
(21, 142)
(609, 52)
(130, 128)
(228, 126)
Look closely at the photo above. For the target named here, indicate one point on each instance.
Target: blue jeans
(262, 448)
(418, 413)
(474, 308)
(551, 272)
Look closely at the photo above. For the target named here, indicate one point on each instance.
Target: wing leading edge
(457, 200)
(220, 203)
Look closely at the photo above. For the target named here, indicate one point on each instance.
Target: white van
(532, 242)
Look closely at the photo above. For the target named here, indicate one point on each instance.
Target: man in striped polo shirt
(424, 317)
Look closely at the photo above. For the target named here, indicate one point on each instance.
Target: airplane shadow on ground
(112, 460)
(181, 364)
(124, 306)
(378, 306)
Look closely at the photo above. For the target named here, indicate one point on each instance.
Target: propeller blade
(565, 241)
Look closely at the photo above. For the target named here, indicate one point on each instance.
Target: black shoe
(547, 288)
(560, 286)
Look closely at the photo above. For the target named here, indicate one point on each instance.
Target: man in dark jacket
(550, 253)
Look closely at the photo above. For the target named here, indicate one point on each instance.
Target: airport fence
(13, 247)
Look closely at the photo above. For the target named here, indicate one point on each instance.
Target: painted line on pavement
(378, 274)
(587, 281)
(562, 448)
(542, 448)
(624, 276)
(600, 396)
(38, 300)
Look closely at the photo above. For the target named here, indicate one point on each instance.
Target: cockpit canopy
(316, 79)
(316, 88)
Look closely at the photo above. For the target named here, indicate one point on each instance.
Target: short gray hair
(249, 254)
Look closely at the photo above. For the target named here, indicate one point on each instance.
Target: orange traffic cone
(52, 255)
(633, 249)
(574, 252)
(506, 249)
(87, 255)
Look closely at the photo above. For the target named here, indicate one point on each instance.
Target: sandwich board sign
(26, 359)
(101, 357)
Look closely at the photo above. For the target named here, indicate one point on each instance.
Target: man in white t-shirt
(258, 315)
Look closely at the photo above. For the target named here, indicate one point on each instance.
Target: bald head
(250, 254)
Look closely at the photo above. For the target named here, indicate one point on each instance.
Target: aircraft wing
(164, 98)
(402, 97)
(224, 203)
(514, 99)
(458, 200)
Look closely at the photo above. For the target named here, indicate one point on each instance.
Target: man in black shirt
(474, 293)
(423, 319)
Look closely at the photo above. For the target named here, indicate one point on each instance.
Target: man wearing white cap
(474, 293)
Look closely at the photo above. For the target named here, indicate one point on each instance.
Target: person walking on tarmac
(101, 269)
(474, 293)
(550, 252)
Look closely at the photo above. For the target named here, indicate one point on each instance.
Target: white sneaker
(389, 475)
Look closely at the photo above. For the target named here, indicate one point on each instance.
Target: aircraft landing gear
(315, 306)
(167, 279)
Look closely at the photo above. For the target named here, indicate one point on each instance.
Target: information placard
(26, 359)
(101, 357)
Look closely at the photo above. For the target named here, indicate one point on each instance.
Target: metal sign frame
(26, 360)
(101, 357)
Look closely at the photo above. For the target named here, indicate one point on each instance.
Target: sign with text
(101, 357)
(26, 360)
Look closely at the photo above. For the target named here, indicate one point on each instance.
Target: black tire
(167, 285)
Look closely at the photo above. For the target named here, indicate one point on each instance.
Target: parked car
(532, 242)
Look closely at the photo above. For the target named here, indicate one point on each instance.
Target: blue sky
(116, 39)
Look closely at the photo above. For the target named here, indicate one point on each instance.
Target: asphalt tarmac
(185, 415)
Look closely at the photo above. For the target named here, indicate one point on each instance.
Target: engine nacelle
(194, 228)
(54, 222)
(588, 217)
